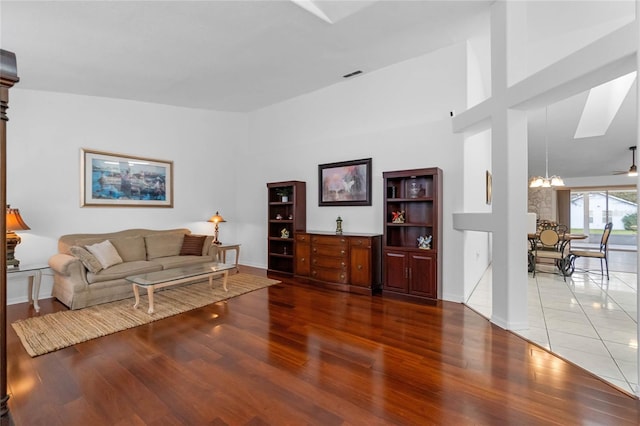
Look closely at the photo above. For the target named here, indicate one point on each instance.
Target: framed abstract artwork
(347, 183)
(118, 180)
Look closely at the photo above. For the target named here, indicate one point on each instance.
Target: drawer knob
(302, 259)
(360, 267)
(342, 252)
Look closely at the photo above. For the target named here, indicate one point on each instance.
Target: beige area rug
(58, 330)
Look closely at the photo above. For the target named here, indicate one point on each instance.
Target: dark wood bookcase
(407, 269)
(289, 216)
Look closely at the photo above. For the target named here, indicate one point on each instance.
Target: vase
(414, 189)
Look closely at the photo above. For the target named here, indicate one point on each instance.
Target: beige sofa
(79, 280)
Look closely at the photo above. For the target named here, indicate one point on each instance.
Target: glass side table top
(28, 267)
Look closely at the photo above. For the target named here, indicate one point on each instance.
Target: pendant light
(546, 181)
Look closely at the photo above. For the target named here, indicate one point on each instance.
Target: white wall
(477, 245)
(477, 161)
(398, 116)
(45, 134)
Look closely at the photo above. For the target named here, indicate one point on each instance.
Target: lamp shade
(14, 220)
(216, 218)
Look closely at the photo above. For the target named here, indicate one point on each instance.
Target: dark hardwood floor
(291, 354)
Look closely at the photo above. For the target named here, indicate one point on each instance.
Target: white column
(509, 163)
(510, 276)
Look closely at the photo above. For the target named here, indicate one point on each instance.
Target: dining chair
(550, 244)
(602, 253)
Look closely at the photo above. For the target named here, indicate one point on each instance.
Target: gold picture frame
(120, 180)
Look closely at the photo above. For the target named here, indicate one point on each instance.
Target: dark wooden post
(8, 77)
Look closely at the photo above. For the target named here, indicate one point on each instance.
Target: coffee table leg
(136, 293)
(225, 275)
(150, 294)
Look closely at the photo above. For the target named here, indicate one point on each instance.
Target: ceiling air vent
(352, 74)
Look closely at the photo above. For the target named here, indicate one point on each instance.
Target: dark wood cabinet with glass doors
(412, 241)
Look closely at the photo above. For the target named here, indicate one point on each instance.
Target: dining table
(565, 265)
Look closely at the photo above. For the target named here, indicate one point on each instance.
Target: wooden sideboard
(347, 262)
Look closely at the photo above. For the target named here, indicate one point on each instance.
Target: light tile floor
(587, 320)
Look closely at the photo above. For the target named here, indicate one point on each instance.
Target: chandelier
(546, 181)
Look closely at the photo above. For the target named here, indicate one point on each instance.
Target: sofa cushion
(88, 260)
(106, 253)
(123, 270)
(178, 261)
(207, 244)
(130, 249)
(163, 245)
(192, 245)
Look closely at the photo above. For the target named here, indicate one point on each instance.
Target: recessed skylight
(333, 11)
(602, 105)
(311, 7)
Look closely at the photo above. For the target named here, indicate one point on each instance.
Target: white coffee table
(173, 276)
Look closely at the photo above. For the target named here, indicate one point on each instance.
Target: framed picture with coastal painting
(119, 180)
(346, 183)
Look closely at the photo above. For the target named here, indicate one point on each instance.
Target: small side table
(222, 253)
(34, 273)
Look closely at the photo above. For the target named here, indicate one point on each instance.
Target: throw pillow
(192, 245)
(163, 244)
(106, 253)
(88, 260)
(207, 244)
(130, 249)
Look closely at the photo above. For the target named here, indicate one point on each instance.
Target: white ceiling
(245, 55)
(221, 55)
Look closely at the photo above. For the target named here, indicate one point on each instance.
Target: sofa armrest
(213, 252)
(68, 266)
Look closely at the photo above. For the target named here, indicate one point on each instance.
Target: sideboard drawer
(330, 275)
(330, 262)
(334, 251)
(330, 240)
